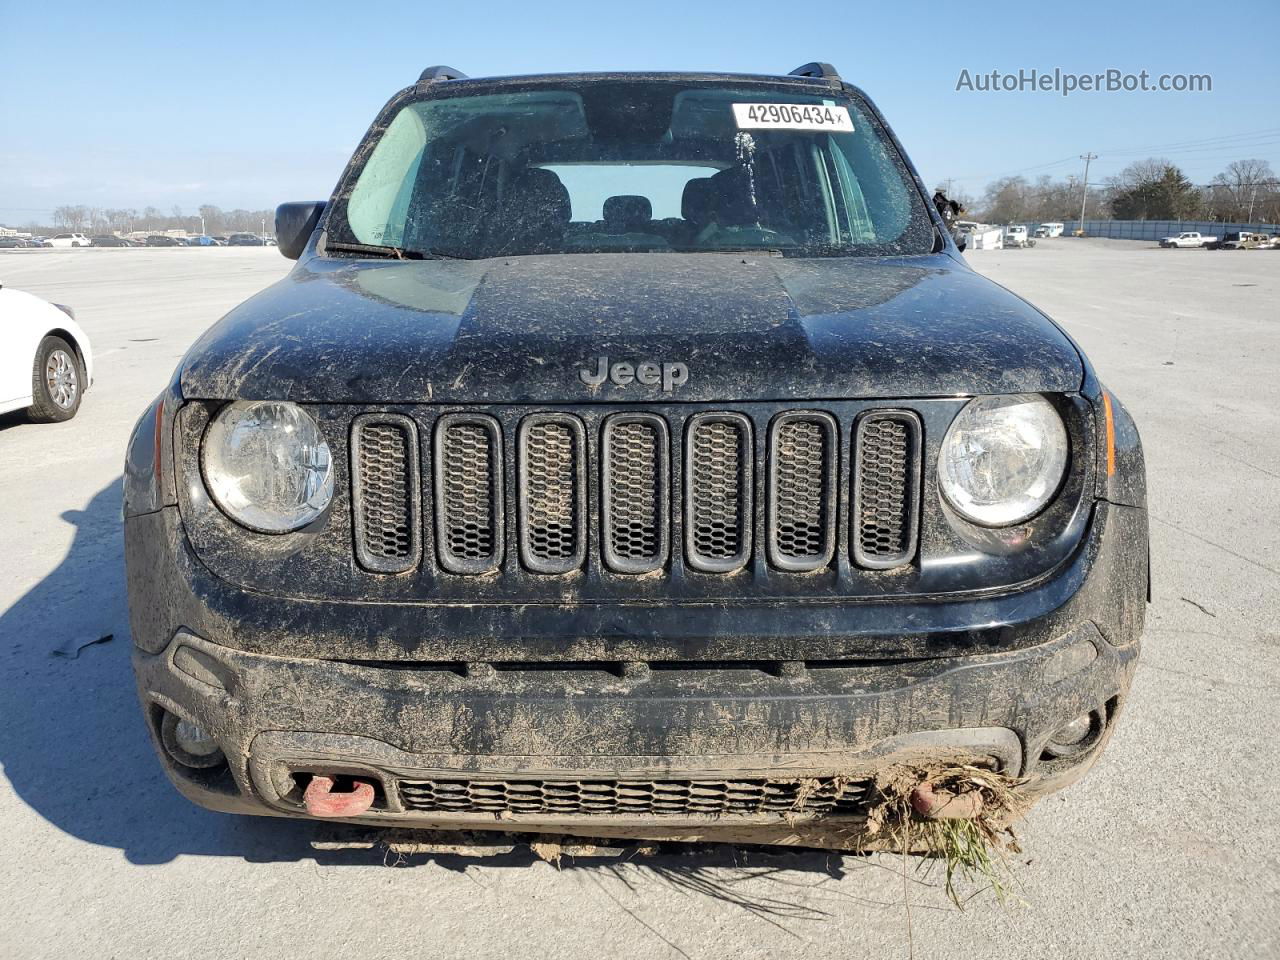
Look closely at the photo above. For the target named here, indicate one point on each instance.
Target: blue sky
(247, 105)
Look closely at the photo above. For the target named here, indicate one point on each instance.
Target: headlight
(267, 466)
(1003, 458)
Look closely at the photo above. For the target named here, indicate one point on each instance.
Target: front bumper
(1040, 657)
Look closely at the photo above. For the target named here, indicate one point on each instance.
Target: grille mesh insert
(635, 495)
(802, 460)
(783, 798)
(719, 493)
(551, 495)
(884, 502)
(385, 476)
(469, 493)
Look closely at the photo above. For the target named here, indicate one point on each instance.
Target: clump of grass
(968, 826)
(973, 854)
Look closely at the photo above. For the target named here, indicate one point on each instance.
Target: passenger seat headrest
(695, 202)
(627, 213)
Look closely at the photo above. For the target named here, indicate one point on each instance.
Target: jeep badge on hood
(670, 375)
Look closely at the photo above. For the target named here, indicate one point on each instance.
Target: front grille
(886, 485)
(468, 493)
(802, 469)
(598, 493)
(718, 492)
(635, 485)
(384, 476)
(819, 797)
(552, 494)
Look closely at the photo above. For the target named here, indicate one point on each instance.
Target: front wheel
(57, 382)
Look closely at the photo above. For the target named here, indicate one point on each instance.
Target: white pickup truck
(1187, 239)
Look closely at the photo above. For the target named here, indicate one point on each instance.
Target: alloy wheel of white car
(60, 379)
(55, 381)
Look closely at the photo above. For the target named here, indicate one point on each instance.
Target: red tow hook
(944, 805)
(322, 801)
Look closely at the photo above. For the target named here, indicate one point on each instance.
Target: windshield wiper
(376, 250)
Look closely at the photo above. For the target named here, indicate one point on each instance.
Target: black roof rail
(432, 74)
(822, 71)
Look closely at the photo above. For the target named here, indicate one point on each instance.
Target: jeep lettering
(670, 375)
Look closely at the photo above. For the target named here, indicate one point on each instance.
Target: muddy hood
(524, 329)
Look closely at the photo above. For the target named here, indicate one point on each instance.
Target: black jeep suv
(628, 454)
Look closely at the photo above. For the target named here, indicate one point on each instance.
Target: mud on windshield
(636, 167)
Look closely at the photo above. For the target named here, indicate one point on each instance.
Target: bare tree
(1244, 191)
(212, 218)
(1008, 200)
(72, 218)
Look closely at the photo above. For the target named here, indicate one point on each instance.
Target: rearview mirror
(295, 222)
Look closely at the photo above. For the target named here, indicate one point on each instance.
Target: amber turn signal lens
(1111, 434)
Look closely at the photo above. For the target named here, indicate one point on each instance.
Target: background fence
(1155, 229)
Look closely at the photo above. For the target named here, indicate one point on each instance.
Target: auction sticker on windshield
(792, 116)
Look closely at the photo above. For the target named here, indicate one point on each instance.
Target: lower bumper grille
(822, 797)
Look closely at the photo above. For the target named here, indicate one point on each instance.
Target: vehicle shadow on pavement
(75, 749)
(72, 740)
(14, 418)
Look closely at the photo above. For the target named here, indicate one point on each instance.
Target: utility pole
(1084, 192)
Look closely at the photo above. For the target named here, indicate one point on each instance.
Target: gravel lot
(1169, 848)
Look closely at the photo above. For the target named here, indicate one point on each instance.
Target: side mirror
(295, 222)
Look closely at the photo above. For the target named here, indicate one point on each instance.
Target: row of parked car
(158, 240)
(1236, 240)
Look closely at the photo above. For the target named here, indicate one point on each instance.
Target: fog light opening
(1076, 737)
(189, 744)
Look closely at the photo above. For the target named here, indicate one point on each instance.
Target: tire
(57, 382)
(75, 243)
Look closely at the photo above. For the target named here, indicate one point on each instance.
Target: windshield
(632, 166)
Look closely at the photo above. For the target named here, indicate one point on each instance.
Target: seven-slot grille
(885, 491)
(634, 469)
(823, 797)
(549, 462)
(468, 493)
(552, 493)
(384, 475)
(802, 507)
(718, 492)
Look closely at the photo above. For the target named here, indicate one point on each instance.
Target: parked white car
(1188, 238)
(70, 240)
(1051, 229)
(46, 363)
